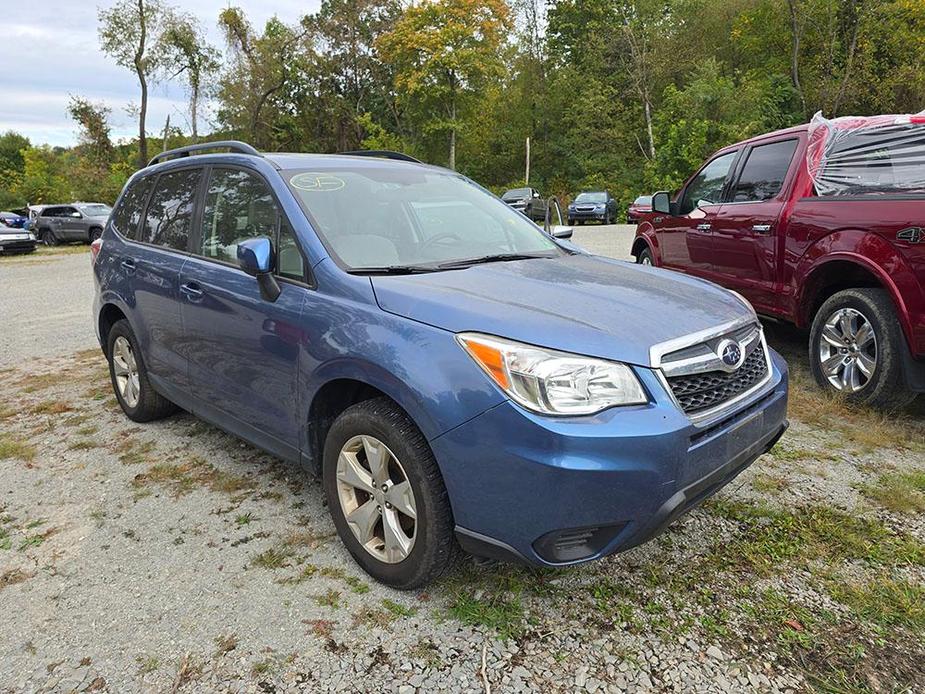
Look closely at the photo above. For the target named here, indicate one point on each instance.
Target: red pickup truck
(821, 225)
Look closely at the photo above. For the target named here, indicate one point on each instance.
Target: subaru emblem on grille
(730, 353)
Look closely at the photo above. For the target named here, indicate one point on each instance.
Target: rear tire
(855, 349)
(433, 549)
(129, 376)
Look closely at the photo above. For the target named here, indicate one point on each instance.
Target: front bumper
(12, 245)
(559, 491)
(592, 214)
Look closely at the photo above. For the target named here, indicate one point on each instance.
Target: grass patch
(505, 616)
(225, 644)
(866, 428)
(51, 407)
(885, 601)
(329, 598)
(12, 447)
(768, 537)
(83, 445)
(373, 617)
(134, 452)
(900, 492)
(11, 577)
(196, 473)
(769, 484)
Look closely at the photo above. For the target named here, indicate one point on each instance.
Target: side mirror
(661, 203)
(561, 231)
(255, 257)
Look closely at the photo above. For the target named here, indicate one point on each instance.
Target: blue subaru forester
(460, 378)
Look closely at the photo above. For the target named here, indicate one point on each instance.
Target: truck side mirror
(661, 203)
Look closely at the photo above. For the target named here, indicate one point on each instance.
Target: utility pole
(527, 174)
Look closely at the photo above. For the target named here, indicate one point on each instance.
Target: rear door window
(127, 216)
(170, 212)
(764, 172)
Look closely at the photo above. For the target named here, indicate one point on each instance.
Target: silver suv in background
(77, 221)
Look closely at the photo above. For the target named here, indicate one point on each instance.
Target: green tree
(443, 53)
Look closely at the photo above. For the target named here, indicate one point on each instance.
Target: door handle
(704, 227)
(761, 228)
(128, 266)
(192, 290)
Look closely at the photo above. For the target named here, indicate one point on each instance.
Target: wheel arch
(645, 238)
(846, 271)
(109, 315)
(345, 385)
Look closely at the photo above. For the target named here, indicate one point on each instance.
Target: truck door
(744, 244)
(683, 237)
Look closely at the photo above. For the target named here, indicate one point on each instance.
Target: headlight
(551, 382)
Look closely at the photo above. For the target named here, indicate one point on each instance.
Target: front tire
(645, 257)
(129, 376)
(387, 497)
(49, 238)
(855, 349)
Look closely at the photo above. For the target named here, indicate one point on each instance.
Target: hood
(584, 304)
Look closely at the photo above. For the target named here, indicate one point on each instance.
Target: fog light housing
(575, 544)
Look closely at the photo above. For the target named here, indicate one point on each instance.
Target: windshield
(386, 216)
(95, 210)
(591, 197)
(516, 194)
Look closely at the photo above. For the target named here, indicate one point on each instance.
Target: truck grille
(703, 391)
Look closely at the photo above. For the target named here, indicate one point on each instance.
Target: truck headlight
(551, 382)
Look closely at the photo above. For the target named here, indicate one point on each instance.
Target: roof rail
(383, 154)
(232, 145)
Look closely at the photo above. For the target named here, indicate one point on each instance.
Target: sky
(49, 50)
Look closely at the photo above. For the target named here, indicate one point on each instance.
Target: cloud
(50, 50)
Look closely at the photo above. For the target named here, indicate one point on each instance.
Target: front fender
(645, 234)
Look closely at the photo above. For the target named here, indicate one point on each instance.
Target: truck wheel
(645, 257)
(855, 348)
(387, 497)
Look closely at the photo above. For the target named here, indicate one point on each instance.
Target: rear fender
(868, 251)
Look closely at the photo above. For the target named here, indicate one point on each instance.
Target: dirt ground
(174, 557)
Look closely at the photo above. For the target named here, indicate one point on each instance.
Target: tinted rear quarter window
(170, 211)
(127, 215)
(764, 172)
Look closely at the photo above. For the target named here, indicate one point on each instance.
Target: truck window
(764, 172)
(707, 186)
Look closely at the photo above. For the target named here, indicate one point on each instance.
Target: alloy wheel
(125, 370)
(848, 350)
(376, 499)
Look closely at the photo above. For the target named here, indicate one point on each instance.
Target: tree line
(628, 96)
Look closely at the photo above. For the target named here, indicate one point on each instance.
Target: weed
(398, 609)
(370, 616)
(147, 664)
(182, 478)
(134, 452)
(83, 445)
(11, 577)
(769, 484)
(244, 518)
(225, 644)
(330, 598)
(273, 558)
(885, 601)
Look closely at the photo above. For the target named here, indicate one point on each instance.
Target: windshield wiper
(494, 258)
(392, 270)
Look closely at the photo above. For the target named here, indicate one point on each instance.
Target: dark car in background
(11, 219)
(598, 206)
(78, 221)
(13, 240)
(527, 200)
(639, 208)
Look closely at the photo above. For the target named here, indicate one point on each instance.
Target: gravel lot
(173, 557)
